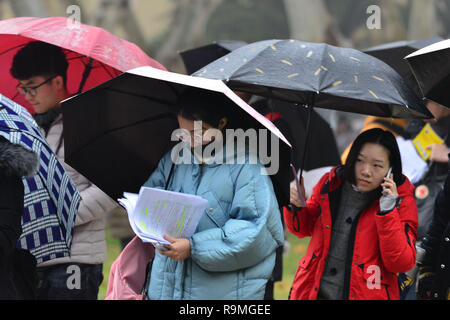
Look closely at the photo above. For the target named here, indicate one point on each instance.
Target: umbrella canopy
(394, 53)
(51, 199)
(318, 74)
(431, 67)
(128, 124)
(321, 137)
(196, 58)
(94, 55)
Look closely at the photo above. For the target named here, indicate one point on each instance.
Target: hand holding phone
(389, 186)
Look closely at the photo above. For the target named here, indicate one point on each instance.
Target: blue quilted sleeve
(159, 177)
(253, 231)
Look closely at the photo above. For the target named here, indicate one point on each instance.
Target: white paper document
(412, 164)
(154, 212)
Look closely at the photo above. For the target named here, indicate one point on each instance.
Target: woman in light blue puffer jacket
(232, 253)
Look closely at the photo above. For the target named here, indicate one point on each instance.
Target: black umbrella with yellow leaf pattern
(318, 75)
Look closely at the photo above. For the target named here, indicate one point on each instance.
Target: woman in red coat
(362, 220)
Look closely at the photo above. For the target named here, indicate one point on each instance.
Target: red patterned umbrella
(94, 55)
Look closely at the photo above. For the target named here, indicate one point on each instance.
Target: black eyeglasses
(32, 91)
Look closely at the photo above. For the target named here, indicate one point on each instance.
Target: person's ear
(59, 82)
(222, 123)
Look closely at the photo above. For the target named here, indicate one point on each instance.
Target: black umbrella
(295, 121)
(196, 58)
(116, 133)
(394, 53)
(105, 132)
(431, 67)
(318, 75)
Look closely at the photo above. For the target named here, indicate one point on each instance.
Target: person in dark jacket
(362, 220)
(16, 265)
(434, 269)
(432, 181)
(428, 186)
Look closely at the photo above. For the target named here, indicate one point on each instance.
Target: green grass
(290, 264)
(282, 288)
(113, 249)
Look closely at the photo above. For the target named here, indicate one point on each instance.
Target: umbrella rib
(140, 96)
(106, 70)
(77, 57)
(158, 117)
(102, 65)
(172, 88)
(11, 49)
(81, 56)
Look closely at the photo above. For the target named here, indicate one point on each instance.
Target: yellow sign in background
(426, 137)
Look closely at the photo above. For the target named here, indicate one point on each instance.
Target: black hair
(380, 137)
(208, 106)
(39, 58)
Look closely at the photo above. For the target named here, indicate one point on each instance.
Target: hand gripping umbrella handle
(300, 195)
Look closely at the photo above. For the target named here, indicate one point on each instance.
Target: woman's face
(196, 129)
(371, 167)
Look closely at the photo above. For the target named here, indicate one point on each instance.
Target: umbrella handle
(308, 127)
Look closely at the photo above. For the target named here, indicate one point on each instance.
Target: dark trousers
(277, 275)
(71, 281)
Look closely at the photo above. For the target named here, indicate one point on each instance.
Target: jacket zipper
(349, 257)
(387, 291)
(199, 178)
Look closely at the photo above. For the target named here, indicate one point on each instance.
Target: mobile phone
(160, 246)
(389, 172)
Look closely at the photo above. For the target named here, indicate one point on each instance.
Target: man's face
(47, 95)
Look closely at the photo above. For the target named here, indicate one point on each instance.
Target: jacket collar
(46, 120)
(224, 154)
(334, 180)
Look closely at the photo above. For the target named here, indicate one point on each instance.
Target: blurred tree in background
(248, 21)
(164, 27)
